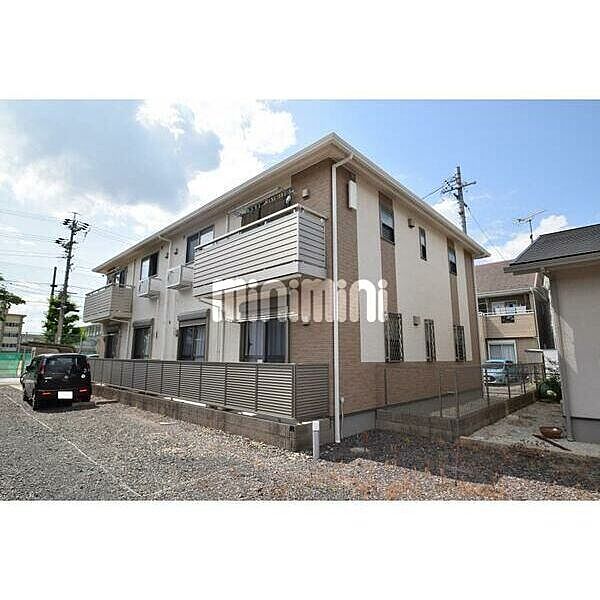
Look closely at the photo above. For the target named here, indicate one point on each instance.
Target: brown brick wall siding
(363, 384)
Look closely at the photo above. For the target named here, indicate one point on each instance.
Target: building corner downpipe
(336, 332)
(561, 360)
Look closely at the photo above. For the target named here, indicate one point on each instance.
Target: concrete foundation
(283, 435)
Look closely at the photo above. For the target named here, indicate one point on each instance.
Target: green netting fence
(13, 363)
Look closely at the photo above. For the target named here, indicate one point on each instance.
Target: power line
(100, 230)
(485, 234)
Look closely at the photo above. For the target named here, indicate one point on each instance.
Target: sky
(130, 167)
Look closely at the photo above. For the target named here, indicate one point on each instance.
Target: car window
(64, 364)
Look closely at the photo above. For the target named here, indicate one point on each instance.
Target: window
(423, 243)
(64, 365)
(268, 206)
(264, 341)
(142, 338)
(149, 266)
(118, 277)
(482, 305)
(394, 346)
(110, 345)
(192, 342)
(429, 340)
(386, 216)
(202, 237)
(459, 343)
(452, 260)
(506, 350)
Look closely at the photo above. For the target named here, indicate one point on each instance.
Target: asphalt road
(116, 452)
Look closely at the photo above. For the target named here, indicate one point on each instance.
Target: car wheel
(35, 401)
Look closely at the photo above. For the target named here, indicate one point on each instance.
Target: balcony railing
(291, 391)
(111, 302)
(508, 325)
(285, 244)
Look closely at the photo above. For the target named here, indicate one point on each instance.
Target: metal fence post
(315, 439)
(457, 396)
(440, 393)
(507, 372)
(487, 386)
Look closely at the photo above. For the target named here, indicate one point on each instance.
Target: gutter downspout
(561, 361)
(336, 332)
(166, 303)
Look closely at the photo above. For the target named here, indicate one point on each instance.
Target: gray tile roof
(490, 277)
(561, 244)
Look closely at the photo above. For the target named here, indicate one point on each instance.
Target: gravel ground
(119, 452)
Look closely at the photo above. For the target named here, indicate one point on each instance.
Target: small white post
(315, 439)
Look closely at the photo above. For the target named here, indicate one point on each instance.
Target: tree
(71, 334)
(7, 299)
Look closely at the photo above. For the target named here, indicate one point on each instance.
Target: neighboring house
(514, 313)
(165, 296)
(10, 332)
(571, 260)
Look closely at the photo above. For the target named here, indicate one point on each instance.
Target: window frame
(136, 330)
(430, 349)
(198, 235)
(460, 343)
(149, 258)
(194, 357)
(422, 243)
(452, 264)
(399, 357)
(383, 227)
(264, 356)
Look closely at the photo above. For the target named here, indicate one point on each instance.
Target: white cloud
(51, 183)
(448, 208)
(247, 131)
(511, 248)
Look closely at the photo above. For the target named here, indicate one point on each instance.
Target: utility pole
(53, 286)
(456, 186)
(75, 227)
(529, 219)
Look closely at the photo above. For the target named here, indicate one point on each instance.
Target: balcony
(180, 277)
(508, 324)
(148, 288)
(286, 244)
(109, 303)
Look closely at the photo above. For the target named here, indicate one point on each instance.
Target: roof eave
(551, 263)
(280, 168)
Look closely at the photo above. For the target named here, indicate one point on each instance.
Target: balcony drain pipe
(336, 331)
(166, 302)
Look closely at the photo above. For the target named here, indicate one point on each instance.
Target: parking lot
(116, 452)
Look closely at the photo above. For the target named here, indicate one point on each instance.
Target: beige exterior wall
(578, 294)
(369, 267)
(423, 287)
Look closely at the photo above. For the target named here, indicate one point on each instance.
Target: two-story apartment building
(514, 313)
(196, 290)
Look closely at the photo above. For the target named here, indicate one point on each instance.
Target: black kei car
(57, 379)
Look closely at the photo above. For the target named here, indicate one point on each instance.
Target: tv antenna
(529, 219)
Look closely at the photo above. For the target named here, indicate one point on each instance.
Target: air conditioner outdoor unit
(148, 288)
(180, 277)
